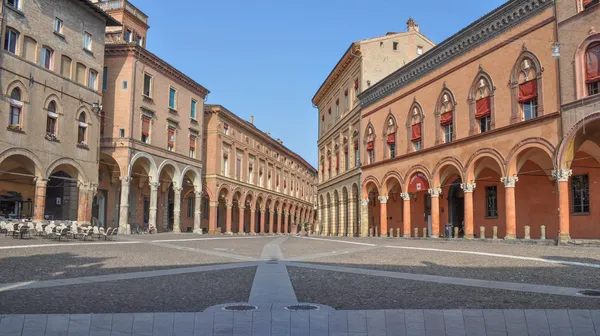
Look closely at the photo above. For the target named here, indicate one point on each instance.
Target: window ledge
(491, 217)
(59, 35)
(14, 9)
(580, 213)
(16, 129)
(194, 120)
(88, 51)
(51, 138)
(172, 110)
(83, 146)
(147, 99)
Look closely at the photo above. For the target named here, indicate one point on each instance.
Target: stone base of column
(405, 236)
(126, 229)
(229, 233)
(176, 231)
(563, 238)
(198, 231)
(510, 237)
(469, 236)
(214, 232)
(253, 233)
(434, 236)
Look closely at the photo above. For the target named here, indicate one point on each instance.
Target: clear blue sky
(267, 58)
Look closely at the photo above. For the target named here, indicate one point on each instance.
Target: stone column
(228, 213)
(153, 204)
(342, 207)
(285, 221)
(84, 209)
(271, 222)
(383, 215)
(197, 209)
(510, 206)
(252, 221)
(165, 223)
(262, 220)
(278, 222)
(435, 211)
(325, 224)
(39, 205)
(406, 214)
(364, 217)
(351, 215)
(241, 220)
(212, 221)
(468, 189)
(177, 209)
(562, 176)
(124, 210)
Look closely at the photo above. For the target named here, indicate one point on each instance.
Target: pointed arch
(445, 114)
(390, 129)
(526, 86)
(22, 88)
(369, 143)
(481, 103)
(591, 42)
(415, 120)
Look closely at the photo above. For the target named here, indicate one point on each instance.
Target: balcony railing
(118, 4)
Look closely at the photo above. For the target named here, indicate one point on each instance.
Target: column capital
(364, 202)
(383, 199)
(125, 179)
(229, 205)
(468, 187)
(509, 181)
(177, 189)
(214, 204)
(435, 192)
(405, 196)
(154, 185)
(40, 181)
(252, 209)
(198, 193)
(562, 175)
(272, 212)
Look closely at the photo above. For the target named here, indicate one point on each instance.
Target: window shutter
(146, 127)
(192, 142)
(483, 107)
(528, 91)
(171, 141)
(416, 132)
(587, 2)
(391, 139)
(592, 58)
(370, 145)
(446, 118)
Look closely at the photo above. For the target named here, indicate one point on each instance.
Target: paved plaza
(172, 284)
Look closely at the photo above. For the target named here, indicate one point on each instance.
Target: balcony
(112, 5)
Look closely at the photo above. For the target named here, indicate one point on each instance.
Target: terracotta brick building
(151, 128)
(475, 123)
(52, 58)
(254, 184)
(364, 63)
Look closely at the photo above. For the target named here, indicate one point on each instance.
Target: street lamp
(96, 107)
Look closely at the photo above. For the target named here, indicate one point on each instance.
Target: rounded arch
(370, 181)
(175, 175)
(38, 167)
(416, 169)
(68, 162)
(484, 154)
(574, 139)
(193, 174)
(53, 98)
(148, 161)
(515, 158)
(248, 198)
(439, 177)
(17, 84)
(390, 180)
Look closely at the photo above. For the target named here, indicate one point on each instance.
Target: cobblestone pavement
(179, 284)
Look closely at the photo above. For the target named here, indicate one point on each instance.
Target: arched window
(592, 69)
(445, 117)
(415, 128)
(16, 109)
(51, 118)
(391, 136)
(11, 39)
(81, 129)
(482, 104)
(526, 86)
(356, 152)
(370, 142)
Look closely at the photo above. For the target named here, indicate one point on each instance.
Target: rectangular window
(193, 140)
(193, 109)
(238, 168)
(395, 45)
(593, 88)
(87, 41)
(65, 67)
(225, 171)
(172, 98)
(417, 145)
(128, 35)
(580, 190)
(171, 139)
(392, 151)
(93, 80)
(145, 130)
(530, 109)
(491, 199)
(58, 26)
(190, 207)
(485, 124)
(30, 49)
(51, 126)
(356, 157)
(80, 73)
(337, 109)
(147, 85)
(139, 39)
(419, 51)
(347, 101)
(448, 129)
(261, 183)
(346, 160)
(105, 79)
(47, 56)
(371, 156)
(251, 172)
(14, 3)
(10, 41)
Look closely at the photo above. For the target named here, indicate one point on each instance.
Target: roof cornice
(156, 62)
(352, 52)
(498, 21)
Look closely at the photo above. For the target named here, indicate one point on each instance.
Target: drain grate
(240, 307)
(302, 307)
(592, 293)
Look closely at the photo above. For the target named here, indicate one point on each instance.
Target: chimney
(252, 120)
(412, 25)
(268, 133)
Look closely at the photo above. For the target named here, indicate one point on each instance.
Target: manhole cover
(593, 293)
(240, 307)
(302, 307)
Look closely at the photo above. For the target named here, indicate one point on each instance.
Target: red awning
(356, 144)
(592, 60)
(145, 126)
(370, 145)
(587, 2)
(356, 83)
(446, 118)
(528, 91)
(346, 149)
(416, 132)
(418, 182)
(171, 140)
(192, 142)
(483, 106)
(391, 139)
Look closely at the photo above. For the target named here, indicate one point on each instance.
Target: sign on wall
(418, 182)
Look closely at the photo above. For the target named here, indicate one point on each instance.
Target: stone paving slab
(282, 322)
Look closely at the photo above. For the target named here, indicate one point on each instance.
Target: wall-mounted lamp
(96, 107)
